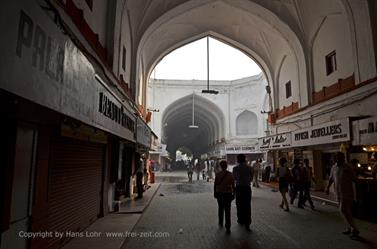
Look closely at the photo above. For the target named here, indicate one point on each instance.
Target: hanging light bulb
(193, 126)
(208, 90)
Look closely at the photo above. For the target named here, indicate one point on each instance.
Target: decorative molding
(341, 87)
(336, 89)
(77, 16)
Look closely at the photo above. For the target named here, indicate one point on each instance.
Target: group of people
(201, 168)
(301, 180)
(234, 185)
(300, 177)
(296, 182)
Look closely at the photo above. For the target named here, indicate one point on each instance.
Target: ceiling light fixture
(193, 126)
(208, 90)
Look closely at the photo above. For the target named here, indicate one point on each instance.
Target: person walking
(296, 184)
(243, 175)
(284, 175)
(268, 173)
(342, 175)
(307, 178)
(256, 167)
(139, 178)
(190, 171)
(224, 193)
(197, 170)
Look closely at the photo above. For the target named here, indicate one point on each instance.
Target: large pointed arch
(269, 28)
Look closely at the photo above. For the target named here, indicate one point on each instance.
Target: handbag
(216, 194)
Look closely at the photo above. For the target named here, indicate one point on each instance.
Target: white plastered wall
(122, 38)
(334, 35)
(289, 73)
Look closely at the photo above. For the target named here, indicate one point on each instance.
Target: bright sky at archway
(190, 62)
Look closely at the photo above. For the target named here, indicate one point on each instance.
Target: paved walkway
(135, 205)
(179, 215)
(184, 215)
(107, 232)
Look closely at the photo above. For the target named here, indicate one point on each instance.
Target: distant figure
(209, 170)
(256, 167)
(146, 175)
(268, 172)
(307, 178)
(224, 193)
(342, 175)
(284, 175)
(139, 178)
(203, 167)
(190, 171)
(243, 175)
(197, 170)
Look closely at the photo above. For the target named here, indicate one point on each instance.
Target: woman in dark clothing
(284, 175)
(224, 193)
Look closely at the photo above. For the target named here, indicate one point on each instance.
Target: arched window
(246, 123)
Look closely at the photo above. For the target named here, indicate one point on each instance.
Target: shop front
(274, 147)
(364, 154)
(65, 125)
(319, 144)
(143, 145)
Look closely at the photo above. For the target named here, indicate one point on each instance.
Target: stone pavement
(184, 215)
(135, 205)
(107, 232)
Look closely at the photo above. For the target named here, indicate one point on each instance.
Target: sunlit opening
(190, 62)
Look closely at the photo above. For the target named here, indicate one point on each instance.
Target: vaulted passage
(177, 118)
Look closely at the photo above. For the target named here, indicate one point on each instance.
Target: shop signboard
(274, 142)
(240, 149)
(326, 133)
(39, 62)
(365, 131)
(143, 133)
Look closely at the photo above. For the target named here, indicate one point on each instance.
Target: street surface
(184, 215)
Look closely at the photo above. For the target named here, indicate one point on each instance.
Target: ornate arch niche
(246, 123)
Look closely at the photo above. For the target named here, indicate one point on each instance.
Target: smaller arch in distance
(246, 123)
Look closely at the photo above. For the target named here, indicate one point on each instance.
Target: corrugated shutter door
(74, 186)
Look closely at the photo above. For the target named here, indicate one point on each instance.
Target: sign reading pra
(46, 54)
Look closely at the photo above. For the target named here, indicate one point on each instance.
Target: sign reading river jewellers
(327, 133)
(279, 141)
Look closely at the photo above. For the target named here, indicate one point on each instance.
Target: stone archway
(177, 118)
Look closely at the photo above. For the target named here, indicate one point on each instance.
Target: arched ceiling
(243, 24)
(178, 116)
(267, 36)
(267, 30)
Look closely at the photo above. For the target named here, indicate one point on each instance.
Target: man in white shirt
(342, 175)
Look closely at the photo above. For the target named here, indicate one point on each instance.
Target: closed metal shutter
(75, 180)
